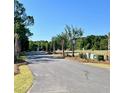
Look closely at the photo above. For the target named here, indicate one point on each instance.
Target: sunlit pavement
(52, 75)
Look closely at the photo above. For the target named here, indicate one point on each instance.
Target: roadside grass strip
(99, 65)
(20, 58)
(23, 57)
(23, 80)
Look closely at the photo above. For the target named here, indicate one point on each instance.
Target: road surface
(52, 75)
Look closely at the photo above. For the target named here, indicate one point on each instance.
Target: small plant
(100, 58)
(83, 56)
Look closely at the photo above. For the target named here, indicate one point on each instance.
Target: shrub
(100, 58)
(83, 56)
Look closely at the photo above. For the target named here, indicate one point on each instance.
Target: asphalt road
(52, 75)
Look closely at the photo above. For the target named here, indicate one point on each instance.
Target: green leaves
(96, 42)
(73, 32)
(21, 23)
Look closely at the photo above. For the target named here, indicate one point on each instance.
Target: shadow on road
(43, 56)
(40, 57)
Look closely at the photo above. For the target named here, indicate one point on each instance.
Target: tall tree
(63, 39)
(73, 33)
(54, 43)
(21, 24)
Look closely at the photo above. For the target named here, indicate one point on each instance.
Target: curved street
(55, 75)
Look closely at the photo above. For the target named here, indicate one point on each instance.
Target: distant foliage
(95, 42)
(91, 42)
(41, 45)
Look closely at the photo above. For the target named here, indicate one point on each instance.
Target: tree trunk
(63, 48)
(16, 47)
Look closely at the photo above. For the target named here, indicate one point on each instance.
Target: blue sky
(51, 16)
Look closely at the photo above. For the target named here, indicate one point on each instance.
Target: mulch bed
(86, 60)
(76, 58)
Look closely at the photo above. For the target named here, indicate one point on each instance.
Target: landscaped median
(94, 63)
(23, 81)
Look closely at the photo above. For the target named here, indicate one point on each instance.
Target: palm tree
(73, 33)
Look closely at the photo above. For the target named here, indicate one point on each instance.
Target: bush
(83, 56)
(100, 58)
(21, 54)
(80, 55)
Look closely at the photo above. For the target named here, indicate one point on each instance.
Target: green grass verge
(21, 59)
(23, 81)
(22, 56)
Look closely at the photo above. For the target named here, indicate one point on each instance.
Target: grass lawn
(23, 81)
(99, 65)
(21, 58)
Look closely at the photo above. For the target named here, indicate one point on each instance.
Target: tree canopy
(22, 21)
(91, 42)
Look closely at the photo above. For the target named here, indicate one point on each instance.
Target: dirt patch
(58, 55)
(86, 60)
